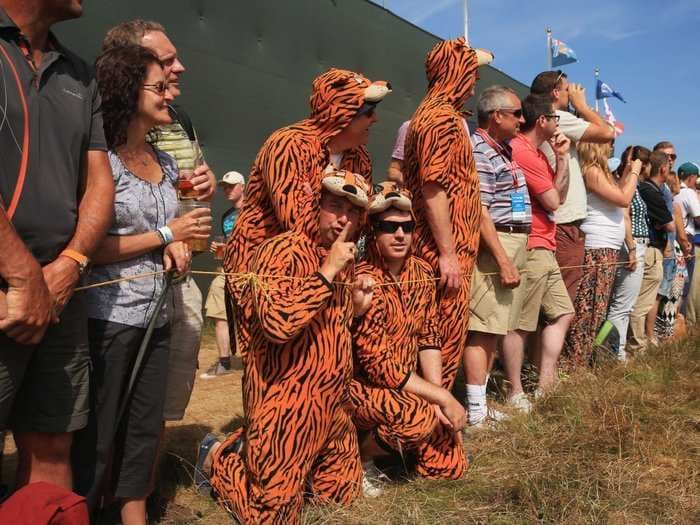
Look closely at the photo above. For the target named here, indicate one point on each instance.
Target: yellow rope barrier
(244, 279)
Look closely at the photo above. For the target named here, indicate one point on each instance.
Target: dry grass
(616, 445)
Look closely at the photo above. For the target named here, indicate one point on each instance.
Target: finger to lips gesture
(341, 253)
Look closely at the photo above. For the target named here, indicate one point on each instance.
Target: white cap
(232, 178)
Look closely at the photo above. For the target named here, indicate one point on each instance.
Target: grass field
(618, 445)
(612, 445)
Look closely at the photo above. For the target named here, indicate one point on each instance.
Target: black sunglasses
(517, 113)
(555, 117)
(393, 226)
(367, 109)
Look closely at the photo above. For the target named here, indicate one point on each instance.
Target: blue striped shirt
(499, 177)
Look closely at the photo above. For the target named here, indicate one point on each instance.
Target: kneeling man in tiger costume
(299, 440)
(398, 402)
(440, 172)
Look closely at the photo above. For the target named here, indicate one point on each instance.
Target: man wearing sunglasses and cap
(299, 437)
(398, 400)
(689, 204)
(288, 170)
(439, 171)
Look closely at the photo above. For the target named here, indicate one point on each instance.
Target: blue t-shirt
(228, 220)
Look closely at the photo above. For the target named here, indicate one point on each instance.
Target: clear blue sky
(647, 50)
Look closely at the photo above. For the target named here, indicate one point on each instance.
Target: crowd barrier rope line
(241, 279)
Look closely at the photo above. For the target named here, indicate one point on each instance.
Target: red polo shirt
(539, 178)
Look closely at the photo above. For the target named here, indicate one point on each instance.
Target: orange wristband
(77, 257)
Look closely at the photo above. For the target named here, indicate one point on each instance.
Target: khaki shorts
(215, 306)
(185, 332)
(495, 309)
(544, 290)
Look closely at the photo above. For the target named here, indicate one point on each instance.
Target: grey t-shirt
(139, 207)
(574, 207)
(65, 121)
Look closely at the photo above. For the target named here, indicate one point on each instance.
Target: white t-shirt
(336, 159)
(574, 207)
(604, 224)
(688, 201)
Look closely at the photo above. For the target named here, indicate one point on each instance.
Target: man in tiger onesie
(299, 438)
(396, 407)
(439, 171)
(289, 167)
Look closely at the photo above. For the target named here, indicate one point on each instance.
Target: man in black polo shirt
(57, 190)
(660, 223)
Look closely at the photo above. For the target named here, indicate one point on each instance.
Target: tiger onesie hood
(438, 152)
(285, 181)
(452, 71)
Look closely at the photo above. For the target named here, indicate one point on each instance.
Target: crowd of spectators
(527, 239)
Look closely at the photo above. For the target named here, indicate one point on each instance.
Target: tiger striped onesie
(299, 437)
(286, 177)
(438, 150)
(401, 322)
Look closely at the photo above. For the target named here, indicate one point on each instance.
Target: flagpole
(596, 74)
(549, 48)
(465, 7)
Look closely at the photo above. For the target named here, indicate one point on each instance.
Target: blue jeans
(625, 293)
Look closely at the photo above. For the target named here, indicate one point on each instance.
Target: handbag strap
(24, 163)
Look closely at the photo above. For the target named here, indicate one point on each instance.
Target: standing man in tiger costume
(287, 172)
(396, 406)
(440, 172)
(299, 437)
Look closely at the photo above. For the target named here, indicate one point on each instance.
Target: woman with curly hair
(116, 458)
(604, 227)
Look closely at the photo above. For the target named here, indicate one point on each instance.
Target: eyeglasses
(367, 109)
(672, 156)
(559, 77)
(517, 113)
(393, 226)
(552, 116)
(159, 88)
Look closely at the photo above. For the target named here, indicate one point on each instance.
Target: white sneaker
(492, 416)
(520, 402)
(372, 480)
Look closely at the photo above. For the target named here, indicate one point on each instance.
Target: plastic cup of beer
(186, 206)
(186, 167)
(219, 242)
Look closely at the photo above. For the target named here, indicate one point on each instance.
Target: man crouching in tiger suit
(398, 402)
(299, 440)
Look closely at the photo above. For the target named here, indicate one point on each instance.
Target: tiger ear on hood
(484, 57)
(377, 91)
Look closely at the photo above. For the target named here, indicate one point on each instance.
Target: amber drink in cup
(219, 248)
(186, 206)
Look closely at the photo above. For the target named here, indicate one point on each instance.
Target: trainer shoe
(492, 416)
(216, 370)
(201, 477)
(372, 480)
(520, 402)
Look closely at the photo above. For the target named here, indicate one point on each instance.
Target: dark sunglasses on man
(367, 109)
(552, 116)
(393, 226)
(517, 113)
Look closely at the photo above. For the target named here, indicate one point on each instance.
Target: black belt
(513, 228)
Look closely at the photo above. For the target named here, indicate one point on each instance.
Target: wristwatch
(83, 262)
